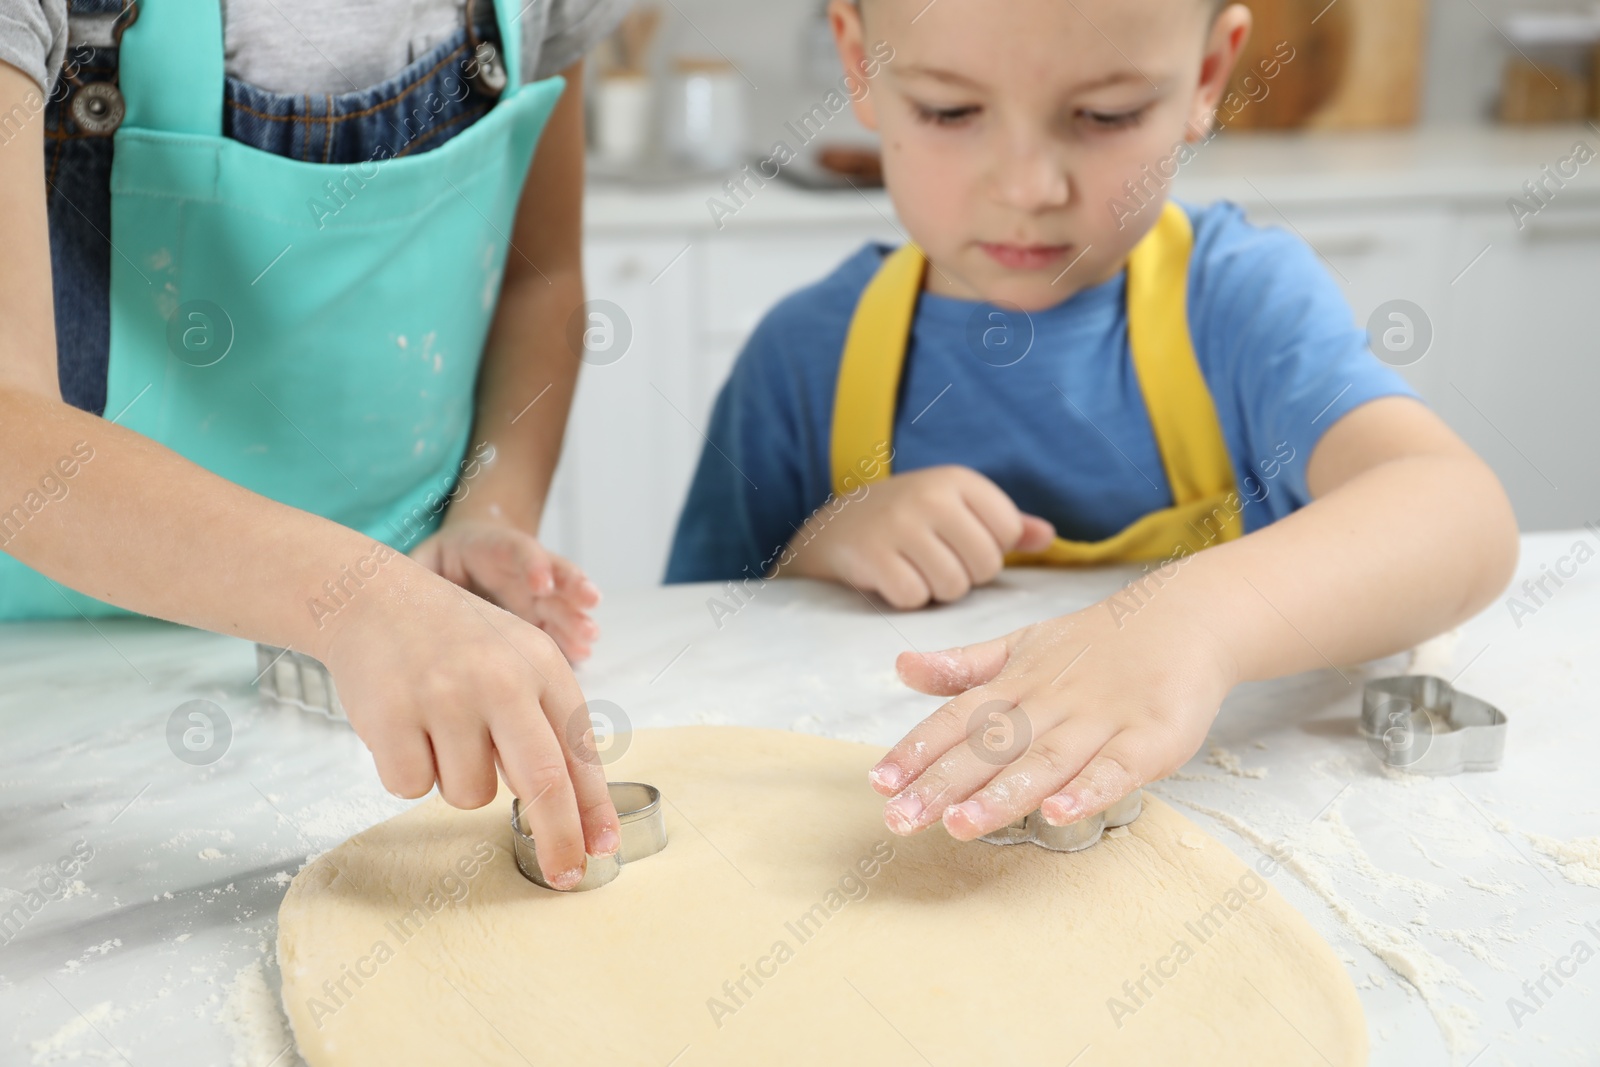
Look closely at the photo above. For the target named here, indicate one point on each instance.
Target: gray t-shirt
(328, 46)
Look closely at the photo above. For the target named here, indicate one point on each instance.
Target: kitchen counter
(159, 948)
(1430, 166)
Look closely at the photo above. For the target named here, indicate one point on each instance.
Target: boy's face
(1009, 128)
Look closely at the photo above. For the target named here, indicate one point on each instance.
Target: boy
(1063, 368)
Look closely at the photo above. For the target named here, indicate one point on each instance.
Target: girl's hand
(444, 687)
(1069, 715)
(503, 564)
(928, 535)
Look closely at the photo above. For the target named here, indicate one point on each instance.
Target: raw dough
(785, 925)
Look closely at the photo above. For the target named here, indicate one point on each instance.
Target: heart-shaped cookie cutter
(1073, 837)
(643, 831)
(1424, 725)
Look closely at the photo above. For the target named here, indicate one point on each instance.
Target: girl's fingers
(1120, 767)
(522, 753)
(955, 670)
(541, 777)
(538, 568)
(1050, 762)
(572, 584)
(427, 554)
(510, 567)
(574, 648)
(601, 828)
(405, 763)
(566, 717)
(558, 617)
(466, 768)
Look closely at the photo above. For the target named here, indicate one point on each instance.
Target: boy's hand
(928, 535)
(501, 563)
(1070, 715)
(443, 686)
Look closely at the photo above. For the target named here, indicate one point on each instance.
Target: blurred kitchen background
(1435, 153)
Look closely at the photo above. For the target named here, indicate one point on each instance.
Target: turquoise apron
(330, 319)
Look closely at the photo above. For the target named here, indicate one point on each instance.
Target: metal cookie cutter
(295, 678)
(1424, 725)
(644, 833)
(1073, 837)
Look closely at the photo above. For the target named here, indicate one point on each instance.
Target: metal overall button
(98, 109)
(485, 71)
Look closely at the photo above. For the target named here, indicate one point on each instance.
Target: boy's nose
(1032, 176)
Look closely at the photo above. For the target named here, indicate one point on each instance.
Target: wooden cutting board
(1357, 64)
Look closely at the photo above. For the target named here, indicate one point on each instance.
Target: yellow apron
(1206, 507)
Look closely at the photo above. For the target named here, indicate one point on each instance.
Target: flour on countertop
(210, 854)
(254, 1019)
(1578, 860)
(86, 1026)
(1229, 762)
(333, 821)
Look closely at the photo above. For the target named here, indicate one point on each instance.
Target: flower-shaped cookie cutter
(1424, 725)
(1073, 837)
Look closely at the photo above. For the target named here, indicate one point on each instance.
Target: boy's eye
(944, 116)
(1113, 120)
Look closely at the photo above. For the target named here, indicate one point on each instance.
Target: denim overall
(291, 291)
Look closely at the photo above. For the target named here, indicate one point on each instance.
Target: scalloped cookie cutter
(1424, 725)
(1073, 837)
(294, 678)
(644, 833)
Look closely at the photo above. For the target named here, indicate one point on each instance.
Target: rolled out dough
(785, 925)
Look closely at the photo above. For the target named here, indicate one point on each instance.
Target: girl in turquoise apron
(298, 308)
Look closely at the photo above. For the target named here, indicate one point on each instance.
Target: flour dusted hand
(1069, 715)
(929, 535)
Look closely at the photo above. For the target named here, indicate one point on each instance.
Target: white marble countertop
(159, 950)
(1429, 166)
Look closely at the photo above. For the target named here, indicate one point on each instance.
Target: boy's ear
(1229, 32)
(845, 18)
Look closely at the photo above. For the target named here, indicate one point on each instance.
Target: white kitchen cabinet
(744, 274)
(631, 443)
(1379, 255)
(1524, 364)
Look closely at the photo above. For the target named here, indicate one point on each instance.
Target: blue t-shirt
(1063, 429)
